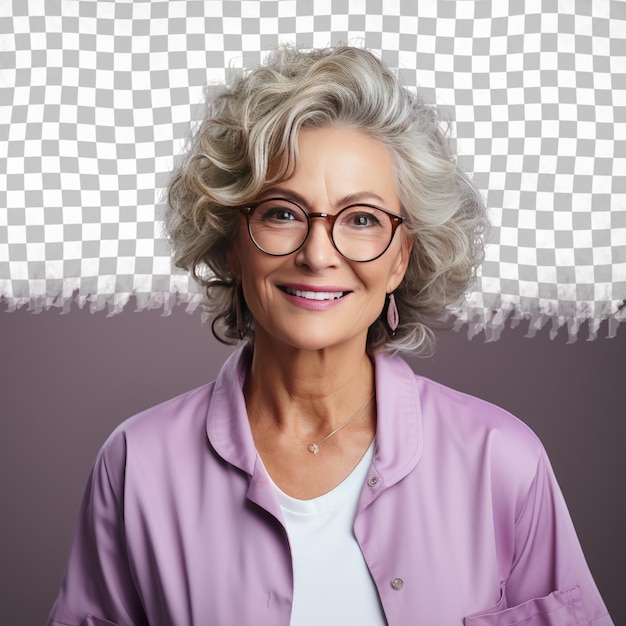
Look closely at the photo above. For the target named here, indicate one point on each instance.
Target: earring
(393, 318)
(239, 302)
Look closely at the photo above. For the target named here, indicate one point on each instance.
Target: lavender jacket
(461, 509)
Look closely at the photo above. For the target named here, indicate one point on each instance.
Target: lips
(314, 295)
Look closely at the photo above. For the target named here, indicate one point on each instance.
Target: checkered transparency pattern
(97, 99)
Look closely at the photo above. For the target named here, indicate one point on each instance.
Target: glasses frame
(331, 218)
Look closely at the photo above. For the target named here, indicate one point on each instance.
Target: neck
(308, 393)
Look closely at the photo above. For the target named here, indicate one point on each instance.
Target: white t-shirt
(332, 585)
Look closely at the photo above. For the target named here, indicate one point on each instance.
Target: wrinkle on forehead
(366, 174)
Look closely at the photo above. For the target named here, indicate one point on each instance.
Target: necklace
(314, 448)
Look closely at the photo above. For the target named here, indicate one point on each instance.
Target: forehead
(335, 165)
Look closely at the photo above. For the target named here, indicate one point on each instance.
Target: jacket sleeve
(98, 586)
(549, 582)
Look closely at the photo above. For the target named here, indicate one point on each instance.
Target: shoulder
(444, 404)
(166, 418)
(462, 423)
(479, 433)
(173, 437)
(467, 412)
(166, 425)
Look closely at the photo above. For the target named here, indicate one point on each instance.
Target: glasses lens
(278, 226)
(362, 233)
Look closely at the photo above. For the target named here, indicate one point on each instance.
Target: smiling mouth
(315, 295)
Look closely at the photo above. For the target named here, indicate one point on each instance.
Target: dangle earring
(393, 318)
(239, 304)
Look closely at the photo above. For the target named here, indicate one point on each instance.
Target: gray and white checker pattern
(97, 98)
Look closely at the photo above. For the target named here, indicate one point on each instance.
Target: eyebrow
(351, 198)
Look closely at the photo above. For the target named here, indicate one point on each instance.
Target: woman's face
(315, 298)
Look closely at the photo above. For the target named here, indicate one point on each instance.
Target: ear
(401, 264)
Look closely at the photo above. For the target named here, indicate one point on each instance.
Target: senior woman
(318, 480)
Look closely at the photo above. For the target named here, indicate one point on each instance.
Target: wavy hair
(248, 140)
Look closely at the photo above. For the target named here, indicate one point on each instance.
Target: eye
(279, 212)
(361, 218)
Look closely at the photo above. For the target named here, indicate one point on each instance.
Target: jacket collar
(399, 440)
(398, 432)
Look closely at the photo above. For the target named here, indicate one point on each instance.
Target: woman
(318, 480)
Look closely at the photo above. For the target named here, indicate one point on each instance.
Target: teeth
(315, 295)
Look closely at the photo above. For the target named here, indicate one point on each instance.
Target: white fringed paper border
(97, 98)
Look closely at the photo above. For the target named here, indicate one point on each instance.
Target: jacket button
(373, 481)
(397, 584)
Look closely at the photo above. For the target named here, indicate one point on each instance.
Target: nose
(318, 251)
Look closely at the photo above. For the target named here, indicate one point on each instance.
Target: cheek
(255, 279)
(384, 280)
(376, 290)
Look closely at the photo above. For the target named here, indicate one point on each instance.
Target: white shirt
(332, 584)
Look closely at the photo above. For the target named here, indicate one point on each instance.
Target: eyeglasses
(359, 232)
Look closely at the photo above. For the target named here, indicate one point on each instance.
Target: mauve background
(67, 380)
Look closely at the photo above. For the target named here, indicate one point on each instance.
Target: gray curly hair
(248, 140)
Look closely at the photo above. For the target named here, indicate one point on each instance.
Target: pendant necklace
(314, 448)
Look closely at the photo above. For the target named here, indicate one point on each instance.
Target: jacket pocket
(561, 608)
